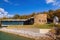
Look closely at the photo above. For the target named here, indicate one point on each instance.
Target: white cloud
(50, 1)
(9, 15)
(6, 0)
(4, 13)
(53, 2)
(15, 4)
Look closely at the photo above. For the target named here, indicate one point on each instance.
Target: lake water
(8, 36)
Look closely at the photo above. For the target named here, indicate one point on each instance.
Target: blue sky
(24, 7)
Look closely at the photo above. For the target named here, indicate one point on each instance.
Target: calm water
(7, 36)
(12, 22)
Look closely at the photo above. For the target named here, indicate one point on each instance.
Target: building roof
(14, 20)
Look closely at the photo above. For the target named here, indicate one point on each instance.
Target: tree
(4, 18)
(57, 13)
(16, 16)
(51, 14)
(33, 14)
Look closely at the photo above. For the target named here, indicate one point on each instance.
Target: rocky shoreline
(29, 34)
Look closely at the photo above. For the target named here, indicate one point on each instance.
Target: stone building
(37, 19)
(40, 19)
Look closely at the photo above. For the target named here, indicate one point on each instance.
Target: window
(43, 20)
(39, 20)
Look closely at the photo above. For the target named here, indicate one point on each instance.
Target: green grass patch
(45, 26)
(42, 26)
(8, 36)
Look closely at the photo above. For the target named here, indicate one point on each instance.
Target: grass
(42, 26)
(20, 26)
(8, 36)
(45, 26)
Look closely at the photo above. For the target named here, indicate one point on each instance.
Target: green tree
(57, 13)
(50, 14)
(16, 16)
(33, 14)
